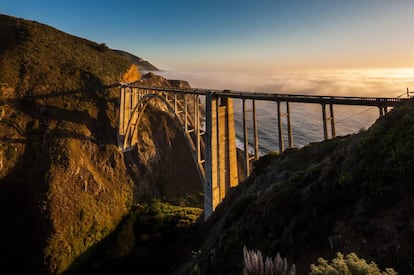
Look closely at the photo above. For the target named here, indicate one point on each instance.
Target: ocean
(306, 119)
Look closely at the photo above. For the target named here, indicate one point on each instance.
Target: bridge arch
(138, 112)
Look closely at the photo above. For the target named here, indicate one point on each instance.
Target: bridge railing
(303, 98)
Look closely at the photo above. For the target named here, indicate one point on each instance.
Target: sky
(248, 36)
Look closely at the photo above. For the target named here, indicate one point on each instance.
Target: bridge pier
(325, 127)
(247, 157)
(255, 136)
(123, 114)
(280, 128)
(289, 125)
(197, 127)
(280, 115)
(221, 156)
(325, 120)
(134, 102)
(245, 140)
(130, 98)
(332, 118)
(185, 114)
(383, 110)
(175, 103)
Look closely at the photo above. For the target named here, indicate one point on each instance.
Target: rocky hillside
(349, 194)
(64, 185)
(141, 63)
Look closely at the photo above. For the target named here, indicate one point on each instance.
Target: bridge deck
(300, 98)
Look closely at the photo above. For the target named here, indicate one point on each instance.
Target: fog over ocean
(306, 118)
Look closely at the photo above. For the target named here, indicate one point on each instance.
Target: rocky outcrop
(141, 63)
(154, 80)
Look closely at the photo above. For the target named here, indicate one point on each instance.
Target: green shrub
(160, 217)
(351, 264)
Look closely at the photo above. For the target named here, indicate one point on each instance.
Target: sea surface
(306, 119)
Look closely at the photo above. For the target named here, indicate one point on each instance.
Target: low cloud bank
(374, 82)
(306, 118)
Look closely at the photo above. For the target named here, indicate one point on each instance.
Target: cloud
(375, 82)
(306, 118)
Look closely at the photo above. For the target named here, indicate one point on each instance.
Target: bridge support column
(381, 111)
(124, 111)
(332, 118)
(280, 116)
(246, 141)
(325, 126)
(134, 102)
(221, 155)
(197, 127)
(255, 135)
(289, 125)
(175, 103)
(127, 127)
(247, 157)
(280, 128)
(325, 121)
(185, 114)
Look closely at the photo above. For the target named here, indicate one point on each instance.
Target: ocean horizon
(306, 118)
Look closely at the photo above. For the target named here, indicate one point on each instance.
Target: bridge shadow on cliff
(32, 130)
(23, 221)
(39, 108)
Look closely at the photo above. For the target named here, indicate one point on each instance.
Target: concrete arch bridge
(207, 120)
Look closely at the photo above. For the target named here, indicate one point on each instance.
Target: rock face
(152, 79)
(141, 63)
(64, 185)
